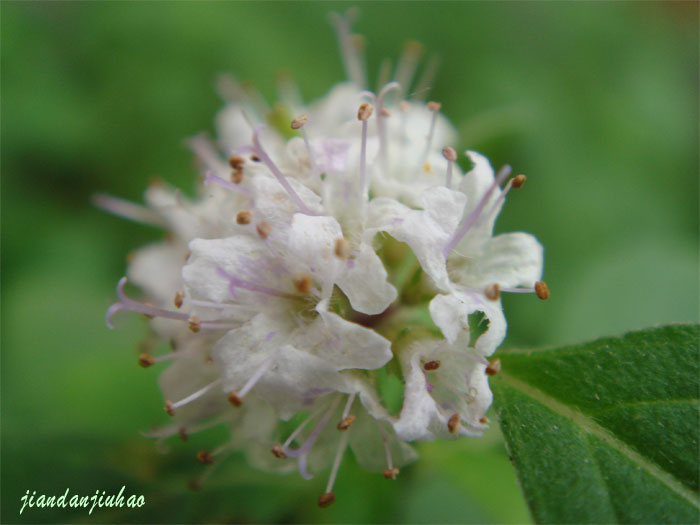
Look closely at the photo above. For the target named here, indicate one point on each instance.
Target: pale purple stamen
(383, 143)
(474, 215)
(260, 152)
(127, 210)
(213, 179)
(126, 303)
(235, 282)
(387, 449)
(256, 377)
(312, 159)
(348, 50)
(448, 175)
(363, 160)
(517, 290)
(336, 461)
(195, 395)
(206, 152)
(315, 433)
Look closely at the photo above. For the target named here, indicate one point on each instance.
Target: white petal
(364, 281)
(156, 270)
(450, 315)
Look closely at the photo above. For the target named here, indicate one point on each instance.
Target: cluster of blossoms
(321, 259)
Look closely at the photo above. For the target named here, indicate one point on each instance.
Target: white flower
(284, 281)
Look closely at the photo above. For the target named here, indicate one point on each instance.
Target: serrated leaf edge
(600, 432)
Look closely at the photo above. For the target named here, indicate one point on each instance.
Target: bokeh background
(597, 102)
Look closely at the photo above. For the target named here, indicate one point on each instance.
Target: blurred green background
(596, 102)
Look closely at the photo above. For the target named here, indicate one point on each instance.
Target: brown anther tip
(384, 112)
(299, 122)
(341, 249)
(492, 292)
(303, 284)
(428, 168)
(204, 457)
(263, 230)
(518, 181)
(278, 452)
(483, 420)
(169, 408)
(244, 217)
(365, 111)
(346, 423)
(453, 423)
(434, 106)
(404, 105)
(493, 368)
(146, 360)
(234, 399)
(324, 500)
(542, 290)
(195, 323)
(254, 158)
(449, 153)
(237, 176)
(431, 365)
(391, 473)
(182, 433)
(236, 162)
(179, 297)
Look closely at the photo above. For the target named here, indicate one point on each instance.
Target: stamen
(384, 73)
(244, 217)
(425, 82)
(342, 248)
(431, 365)
(127, 210)
(474, 215)
(195, 324)
(146, 360)
(408, 61)
(348, 48)
(483, 420)
(236, 162)
(298, 123)
(264, 157)
(381, 127)
(493, 368)
(542, 290)
(363, 114)
(516, 182)
(435, 108)
(126, 303)
(347, 420)
(170, 407)
(453, 423)
(236, 398)
(390, 469)
(213, 179)
(315, 433)
(451, 155)
(325, 500)
(301, 427)
(205, 457)
(278, 452)
(492, 292)
(263, 230)
(179, 298)
(334, 471)
(303, 284)
(235, 282)
(391, 473)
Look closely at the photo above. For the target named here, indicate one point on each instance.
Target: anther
(254, 158)
(483, 420)
(453, 423)
(450, 153)
(204, 457)
(263, 230)
(234, 399)
(493, 368)
(278, 452)
(244, 217)
(342, 248)
(346, 423)
(179, 297)
(236, 162)
(431, 365)
(326, 499)
(391, 473)
(542, 290)
(169, 408)
(434, 106)
(182, 433)
(492, 292)
(237, 176)
(385, 112)
(146, 360)
(303, 284)
(365, 111)
(299, 122)
(518, 181)
(195, 323)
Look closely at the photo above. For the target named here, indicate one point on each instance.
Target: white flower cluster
(320, 261)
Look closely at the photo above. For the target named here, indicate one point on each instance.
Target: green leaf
(606, 431)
